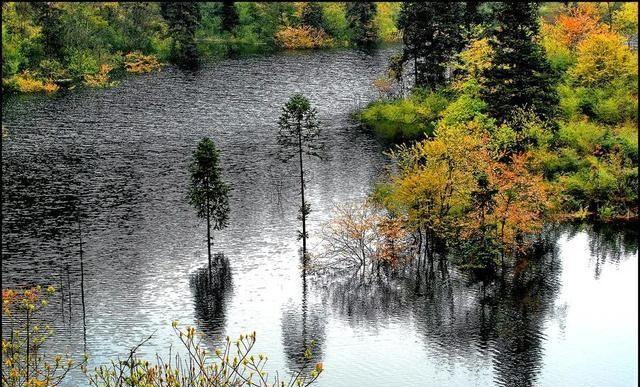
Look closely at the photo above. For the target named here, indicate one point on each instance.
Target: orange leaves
(579, 22)
(28, 82)
(521, 199)
(99, 79)
(360, 233)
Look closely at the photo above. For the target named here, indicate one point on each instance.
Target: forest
(49, 45)
(523, 125)
(431, 180)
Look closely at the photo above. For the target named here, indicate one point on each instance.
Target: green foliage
(520, 75)
(336, 24)
(208, 193)
(183, 19)
(463, 109)
(405, 119)
(385, 21)
(432, 36)
(83, 36)
(360, 16)
(505, 89)
(81, 63)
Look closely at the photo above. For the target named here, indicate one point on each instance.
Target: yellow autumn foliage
(603, 57)
(138, 63)
(27, 82)
(99, 79)
(302, 38)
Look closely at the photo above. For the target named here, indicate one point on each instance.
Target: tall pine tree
(230, 18)
(182, 18)
(433, 33)
(360, 16)
(520, 77)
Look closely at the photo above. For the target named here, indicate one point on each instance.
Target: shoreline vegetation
(50, 46)
(569, 122)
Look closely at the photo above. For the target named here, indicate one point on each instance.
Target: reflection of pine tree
(210, 298)
(608, 242)
(303, 333)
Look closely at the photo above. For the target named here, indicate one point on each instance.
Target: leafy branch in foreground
(24, 333)
(233, 365)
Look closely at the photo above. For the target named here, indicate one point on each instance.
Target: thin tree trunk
(61, 293)
(84, 318)
(303, 210)
(28, 344)
(209, 234)
(68, 287)
(415, 70)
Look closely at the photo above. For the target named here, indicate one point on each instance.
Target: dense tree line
(514, 119)
(46, 42)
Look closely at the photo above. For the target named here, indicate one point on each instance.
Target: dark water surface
(119, 158)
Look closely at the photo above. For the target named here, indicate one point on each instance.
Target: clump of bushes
(28, 82)
(405, 119)
(138, 63)
(587, 153)
(303, 37)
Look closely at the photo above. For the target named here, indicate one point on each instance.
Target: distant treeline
(48, 44)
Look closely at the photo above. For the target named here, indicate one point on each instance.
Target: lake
(113, 165)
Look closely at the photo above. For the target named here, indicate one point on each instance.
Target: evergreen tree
(207, 192)
(48, 17)
(230, 17)
(312, 15)
(360, 16)
(433, 33)
(520, 76)
(183, 19)
(299, 130)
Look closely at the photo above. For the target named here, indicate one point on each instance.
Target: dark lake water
(119, 157)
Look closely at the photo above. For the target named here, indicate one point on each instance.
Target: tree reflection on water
(210, 300)
(303, 329)
(459, 316)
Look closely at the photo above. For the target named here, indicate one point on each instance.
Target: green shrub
(570, 101)
(335, 21)
(563, 161)
(615, 105)
(583, 136)
(81, 63)
(463, 109)
(405, 119)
